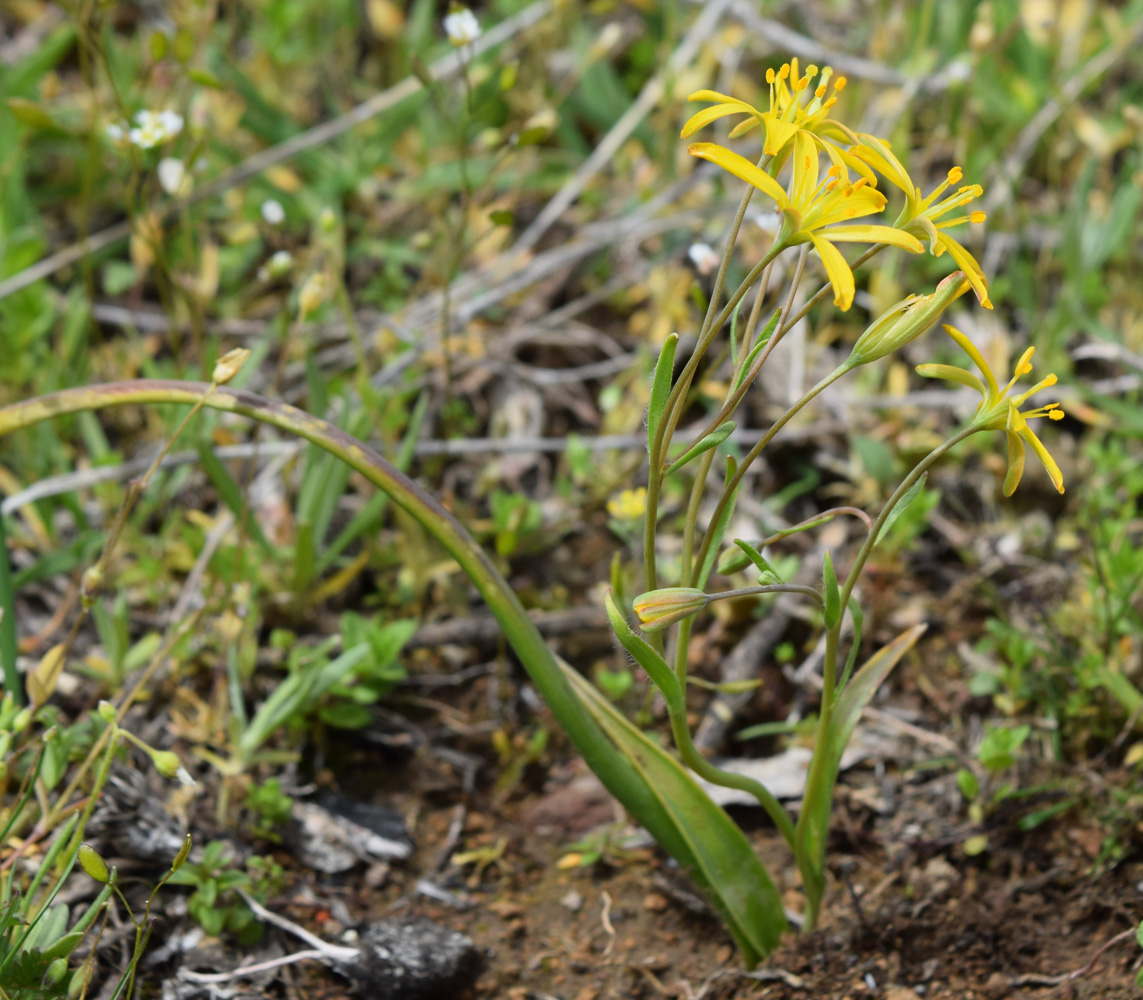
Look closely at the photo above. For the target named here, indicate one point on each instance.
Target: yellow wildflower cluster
(821, 208)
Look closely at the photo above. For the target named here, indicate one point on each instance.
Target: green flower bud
(79, 981)
(181, 857)
(107, 712)
(906, 321)
(92, 862)
(57, 969)
(659, 608)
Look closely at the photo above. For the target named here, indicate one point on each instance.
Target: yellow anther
(834, 171)
(1054, 412)
(802, 84)
(978, 217)
(820, 92)
(839, 83)
(860, 184)
(784, 71)
(831, 184)
(770, 76)
(955, 175)
(811, 71)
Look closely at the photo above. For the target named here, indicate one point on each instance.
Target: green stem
(8, 621)
(759, 447)
(812, 883)
(614, 770)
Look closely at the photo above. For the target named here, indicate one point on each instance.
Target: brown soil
(909, 915)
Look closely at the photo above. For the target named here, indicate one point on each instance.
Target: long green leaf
(711, 440)
(813, 823)
(724, 863)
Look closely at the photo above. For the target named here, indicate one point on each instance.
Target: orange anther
(820, 92)
(839, 83)
(977, 217)
(955, 175)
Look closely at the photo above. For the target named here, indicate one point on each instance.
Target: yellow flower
(787, 115)
(925, 217)
(628, 505)
(814, 204)
(999, 412)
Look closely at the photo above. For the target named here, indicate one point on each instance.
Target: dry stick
(654, 90)
(442, 69)
(1002, 176)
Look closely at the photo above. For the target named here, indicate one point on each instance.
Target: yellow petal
(838, 271)
(1015, 463)
(951, 373)
(708, 115)
(967, 263)
(805, 171)
(1050, 466)
(713, 95)
(742, 168)
(778, 133)
(970, 349)
(874, 234)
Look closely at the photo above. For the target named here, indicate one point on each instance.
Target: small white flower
(116, 131)
(172, 176)
(462, 27)
(704, 258)
(153, 128)
(273, 212)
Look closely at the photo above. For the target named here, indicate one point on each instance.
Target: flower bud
(107, 712)
(90, 584)
(229, 365)
(22, 720)
(92, 862)
(181, 857)
(167, 763)
(56, 970)
(906, 321)
(659, 608)
(313, 293)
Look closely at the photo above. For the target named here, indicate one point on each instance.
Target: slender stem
(672, 412)
(759, 447)
(735, 397)
(872, 538)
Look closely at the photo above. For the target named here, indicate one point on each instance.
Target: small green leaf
(30, 113)
(711, 440)
(183, 45)
(902, 505)
(831, 593)
(767, 573)
(967, 783)
(757, 349)
(502, 217)
(159, 44)
(661, 388)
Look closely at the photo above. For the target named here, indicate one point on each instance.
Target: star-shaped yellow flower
(925, 217)
(788, 116)
(815, 203)
(997, 411)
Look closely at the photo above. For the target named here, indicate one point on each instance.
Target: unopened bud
(328, 221)
(168, 764)
(56, 970)
(107, 712)
(313, 293)
(659, 608)
(92, 862)
(184, 851)
(229, 365)
(22, 720)
(90, 585)
(906, 321)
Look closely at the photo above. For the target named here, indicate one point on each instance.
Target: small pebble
(572, 900)
(655, 903)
